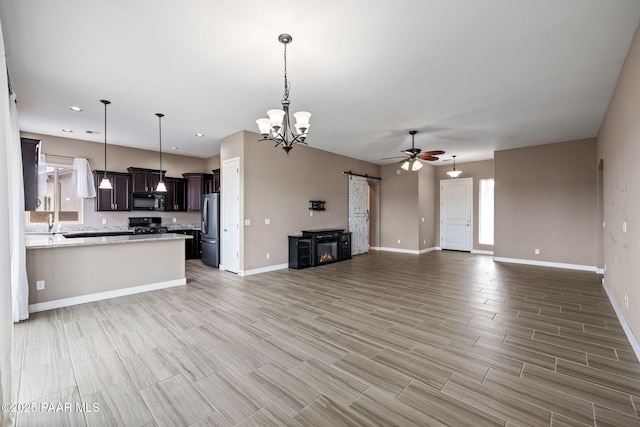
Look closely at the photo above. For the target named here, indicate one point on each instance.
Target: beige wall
(118, 160)
(400, 208)
(618, 146)
(279, 188)
(545, 198)
(427, 207)
(477, 171)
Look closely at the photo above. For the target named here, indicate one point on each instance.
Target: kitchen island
(85, 269)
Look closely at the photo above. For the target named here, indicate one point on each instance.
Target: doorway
(456, 207)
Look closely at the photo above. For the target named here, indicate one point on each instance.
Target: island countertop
(43, 241)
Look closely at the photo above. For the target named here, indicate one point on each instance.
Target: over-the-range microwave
(147, 202)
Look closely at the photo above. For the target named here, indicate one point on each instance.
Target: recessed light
(173, 148)
(67, 130)
(92, 132)
(75, 108)
(200, 135)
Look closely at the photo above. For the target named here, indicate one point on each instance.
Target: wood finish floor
(443, 338)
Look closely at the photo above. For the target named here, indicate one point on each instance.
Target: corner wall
(618, 146)
(546, 199)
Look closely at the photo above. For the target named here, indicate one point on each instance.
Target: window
(66, 209)
(485, 232)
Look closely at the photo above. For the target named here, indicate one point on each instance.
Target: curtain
(82, 184)
(13, 276)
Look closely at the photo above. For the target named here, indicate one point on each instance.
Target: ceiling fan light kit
(412, 162)
(277, 127)
(454, 173)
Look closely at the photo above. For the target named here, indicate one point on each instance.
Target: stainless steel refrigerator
(210, 232)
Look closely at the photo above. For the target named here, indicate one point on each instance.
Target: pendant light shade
(161, 187)
(105, 184)
(454, 173)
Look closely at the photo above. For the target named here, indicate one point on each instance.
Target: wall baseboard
(481, 252)
(66, 302)
(599, 270)
(263, 269)
(546, 264)
(623, 323)
(425, 250)
(402, 251)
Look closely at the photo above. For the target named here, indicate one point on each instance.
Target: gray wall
(545, 198)
(476, 170)
(618, 146)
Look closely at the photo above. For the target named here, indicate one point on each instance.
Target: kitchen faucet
(50, 222)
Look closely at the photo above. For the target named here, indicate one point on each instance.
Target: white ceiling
(471, 76)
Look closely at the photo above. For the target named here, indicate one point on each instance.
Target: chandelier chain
(286, 81)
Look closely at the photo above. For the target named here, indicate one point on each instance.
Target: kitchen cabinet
(176, 195)
(216, 180)
(191, 246)
(30, 172)
(116, 199)
(144, 180)
(197, 185)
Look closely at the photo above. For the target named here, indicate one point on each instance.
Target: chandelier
(277, 127)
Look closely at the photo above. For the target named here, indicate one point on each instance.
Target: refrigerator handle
(205, 217)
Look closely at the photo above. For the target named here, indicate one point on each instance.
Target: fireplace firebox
(319, 247)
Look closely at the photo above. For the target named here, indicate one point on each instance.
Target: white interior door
(359, 214)
(456, 205)
(230, 248)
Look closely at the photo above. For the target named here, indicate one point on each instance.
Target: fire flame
(326, 257)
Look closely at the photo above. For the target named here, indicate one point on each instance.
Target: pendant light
(454, 173)
(161, 188)
(105, 184)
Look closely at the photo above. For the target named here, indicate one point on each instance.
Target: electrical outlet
(398, 172)
(536, 251)
(422, 219)
(267, 221)
(626, 300)
(310, 213)
(39, 285)
(398, 241)
(268, 255)
(175, 220)
(247, 221)
(425, 242)
(104, 221)
(624, 227)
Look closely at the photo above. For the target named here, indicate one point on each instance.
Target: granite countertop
(59, 241)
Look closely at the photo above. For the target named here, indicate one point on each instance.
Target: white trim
(438, 248)
(546, 264)
(481, 252)
(623, 323)
(599, 270)
(402, 251)
(425, 250)
(375, 248)
(263, 269)
(66, 302)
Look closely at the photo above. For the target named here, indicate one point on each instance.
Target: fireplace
(319, 247)
(326, 251)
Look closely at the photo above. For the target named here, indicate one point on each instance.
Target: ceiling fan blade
(428, 158)
(434, 152)
(389, 158)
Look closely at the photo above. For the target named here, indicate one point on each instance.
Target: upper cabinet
(116, 199)
(197, 185)
(144, 180)
(30, 172)
(176, 195)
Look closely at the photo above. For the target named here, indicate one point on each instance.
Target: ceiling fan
(413, 154)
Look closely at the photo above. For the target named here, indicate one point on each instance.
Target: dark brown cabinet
(116, 199)
(144, 180)
(197, 185)
(216, 180)
(30, 172)
(191, 246)
(176, 195)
